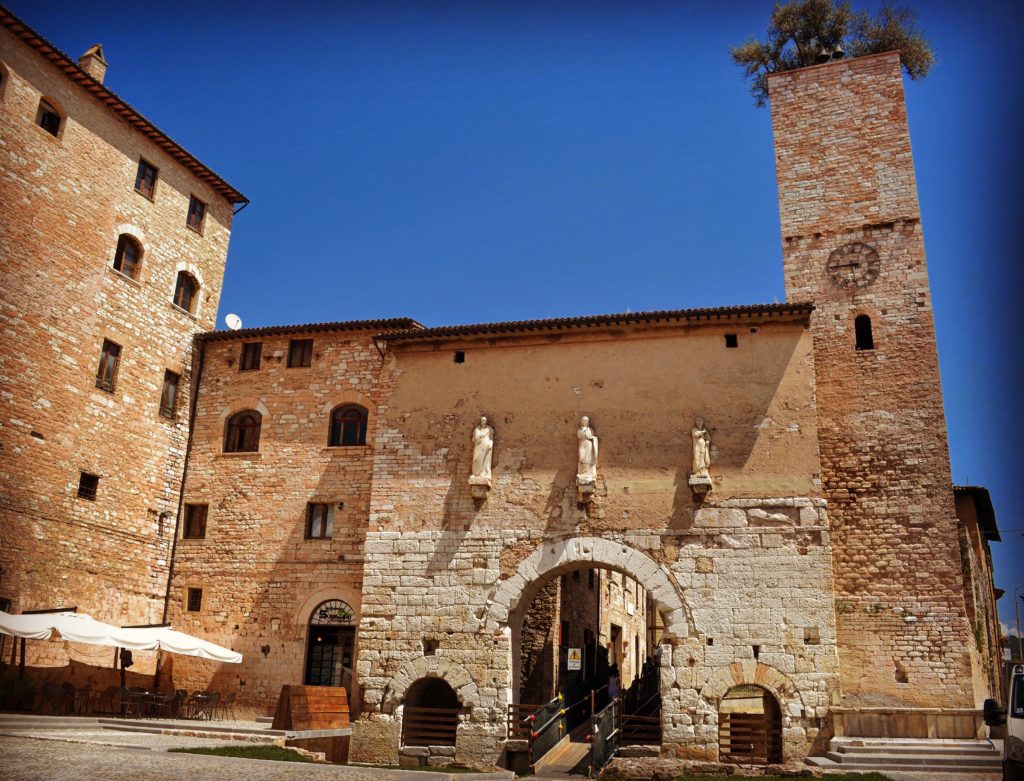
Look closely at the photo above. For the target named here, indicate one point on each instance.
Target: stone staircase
(909, 754)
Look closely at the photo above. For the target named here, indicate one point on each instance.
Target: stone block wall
(730, 573)
(68, 198)
(846, 175)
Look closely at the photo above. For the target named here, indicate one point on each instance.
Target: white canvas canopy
(81, 628)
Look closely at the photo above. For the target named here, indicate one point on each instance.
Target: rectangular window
(195, 600)
(195, 521)
(106, 373)
(319, 521)
(300, 353)
(251, 353)
(88, 485)
(169, 394)
(145, 179)
(196, 214)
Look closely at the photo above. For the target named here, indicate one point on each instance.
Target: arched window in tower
(348, 425)
(242, 432)
(185, 290)
(330, 652)
(127, 256)
(862, 330)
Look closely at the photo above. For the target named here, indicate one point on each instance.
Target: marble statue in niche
(483, 450)
(586, 462)
(700, 474)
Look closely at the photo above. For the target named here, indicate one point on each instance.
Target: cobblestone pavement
(102, 737)
(32, 759)
(929, 776)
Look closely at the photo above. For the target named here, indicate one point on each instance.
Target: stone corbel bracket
(585, 490)
(479, 486)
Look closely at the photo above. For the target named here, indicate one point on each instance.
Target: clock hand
(852, 264)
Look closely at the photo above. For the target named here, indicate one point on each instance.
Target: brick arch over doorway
(513, 596)
(452, 673)
(757, 674)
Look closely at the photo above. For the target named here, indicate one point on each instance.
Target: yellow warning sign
(574, 660)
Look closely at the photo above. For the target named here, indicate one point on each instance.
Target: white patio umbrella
(82, 628)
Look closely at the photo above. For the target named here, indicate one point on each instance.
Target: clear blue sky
(472, 161)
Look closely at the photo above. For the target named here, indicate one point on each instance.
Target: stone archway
(551, 559)
(452, 673)
(753, 673)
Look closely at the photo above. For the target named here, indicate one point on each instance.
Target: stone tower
(852, 244)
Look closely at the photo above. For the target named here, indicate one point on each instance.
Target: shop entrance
(331, 645)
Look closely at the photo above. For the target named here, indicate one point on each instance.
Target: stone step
(946, 771)
(16, 722)
(933, 761)
(189, 728)
(982, 750)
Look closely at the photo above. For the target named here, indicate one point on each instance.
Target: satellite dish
(234, 322)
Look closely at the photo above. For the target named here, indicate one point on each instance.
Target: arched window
(348, 425)
(862, 329)
(48, 117)
(185, 290)
(126, 259)
(242, 432)
(330, 653)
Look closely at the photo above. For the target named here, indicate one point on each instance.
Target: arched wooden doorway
(331, 645)
(431, 714)
(749, 726)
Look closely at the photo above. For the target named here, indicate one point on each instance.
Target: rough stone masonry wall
(750, 566)
(66, 201)
(261, 578)
(846, 174)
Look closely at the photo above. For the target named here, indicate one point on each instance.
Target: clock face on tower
(853, 265)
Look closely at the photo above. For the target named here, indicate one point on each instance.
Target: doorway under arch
(749, 726)
(330, 646)
(431, 714)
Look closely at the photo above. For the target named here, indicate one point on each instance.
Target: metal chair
(83, 700)
(227, 705)
(130, 701)
(51, 695)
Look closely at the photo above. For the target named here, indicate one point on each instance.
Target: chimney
(92, 62)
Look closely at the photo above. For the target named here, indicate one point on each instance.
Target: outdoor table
(204, 706)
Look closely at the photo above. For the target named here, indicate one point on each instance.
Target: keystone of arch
(553, 558)
(452, 673)
(751, 672)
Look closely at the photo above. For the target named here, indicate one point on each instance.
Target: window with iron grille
(185, 290)
(348, 425)
(126, 258)
(242, 432)
(195, 521)
(195, 600)
(196, 214)
(48, 118)
(88, 484)
(169, 394)
(319, 521)
(300, 353)
(110, 359)
(251, 354)
(145, 179)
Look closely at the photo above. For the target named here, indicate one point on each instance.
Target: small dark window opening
(242, 433)
(862, 329)
(106, 372)
(710, 641)
(195, 600)
(348, 425)
(126, 258)
(251, 354)
(732, 340)
(195, 521)
(185, 290)
(319, 521)
(300, 353)
(169, 394)
(430, 647)
(196, 214)
(460, 356)
(48, 118)
(757, 651)
(145, 179)
(87, 486)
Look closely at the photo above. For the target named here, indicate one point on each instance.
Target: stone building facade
(325, 524)
(96, 363)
